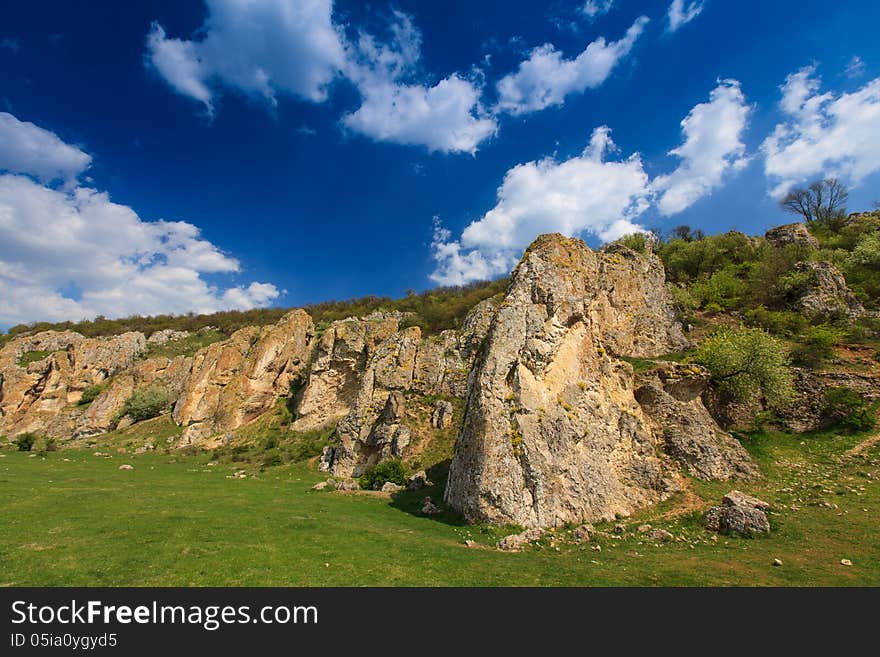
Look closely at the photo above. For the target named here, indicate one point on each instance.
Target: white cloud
(682, 12)
(261, 49)
(823, 134)
(545, 78)
(855, 68)
(586, 194)
(27, 148)
(273, 47)
(712, 146)
(447, 116)
(590, 194)
(72, 253)
(595, 8)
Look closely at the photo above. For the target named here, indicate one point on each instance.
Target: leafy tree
(747, 364)
(146, 403)
(823, 201)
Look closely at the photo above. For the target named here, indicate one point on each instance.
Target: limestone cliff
(40, 396)
(235, 381)
(553, 432)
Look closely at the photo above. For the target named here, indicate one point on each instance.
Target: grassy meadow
(73, 518)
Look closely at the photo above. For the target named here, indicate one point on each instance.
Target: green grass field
(71, 518)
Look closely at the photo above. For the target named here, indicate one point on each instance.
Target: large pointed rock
(552, 432)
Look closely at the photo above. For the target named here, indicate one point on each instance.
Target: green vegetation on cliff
(434, 310)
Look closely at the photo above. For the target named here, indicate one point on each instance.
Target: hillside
(641, 381)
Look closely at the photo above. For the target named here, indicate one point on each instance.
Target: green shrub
(25, 441)
(747, 363)
(90, 393)
(146, 403)
(778, 322)
(44, 444)
(29, 357)
(816, 345)
(847, 408)
(376, 477)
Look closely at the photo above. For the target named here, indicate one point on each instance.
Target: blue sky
(171, 156)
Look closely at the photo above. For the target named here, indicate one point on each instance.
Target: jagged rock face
(339, 361)
(827, 295)
(372, 430)
(99, 416)
(552, 432)
(796, 233)
(234, 381)
(806, 412)
(404, 362)
(42, 396)
(670, 396)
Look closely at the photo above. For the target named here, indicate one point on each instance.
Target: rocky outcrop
(340, 358)
(442, 415)
(670, 396)
(552, 432)
(806, 412)
(99, 416)
(234, 381)
(739, 514)
(41, 396)
(796, 233)
(373, 427)
(825, 296)
(165, 336)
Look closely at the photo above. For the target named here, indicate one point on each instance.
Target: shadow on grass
(412, 501)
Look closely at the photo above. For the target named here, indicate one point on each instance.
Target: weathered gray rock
(165, 336)
(826, 295)
(429, 508)
(374, 428)
(442, 415)
(516, 542)
(552, 432)
(337, 367)
(670, 396)
(807, 410)
(418, 480)
(391, 487)
(739, 514)
(796, 233)
(660, 535)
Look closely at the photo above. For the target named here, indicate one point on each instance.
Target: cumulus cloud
(682, 12)
(823, 134)
(593, 194)
(595, 8)
(273, 47)
(712, 146)
(586, 194)
(546, 78)
(72, 253)
(446, 117)
(27, 148)
(261, 49)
